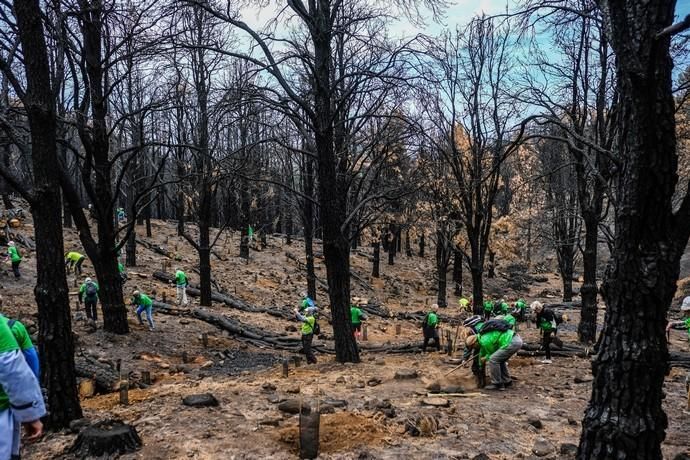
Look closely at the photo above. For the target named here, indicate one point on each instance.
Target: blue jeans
(149, 316)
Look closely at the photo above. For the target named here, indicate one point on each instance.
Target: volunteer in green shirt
(21, 401)
(143, 304)
(473, 325)
(430, 328)
(520, 309)
(181, 284)
(356, 317)
(488, 308)
(495, 348)
(14, 257)
(88, 293)
(309, 328)
(684, 323)
(74, 259)
(122, 272)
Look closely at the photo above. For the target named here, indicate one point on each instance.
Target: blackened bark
(587, 329)
(55, 341)
(421, 245)
(566, 269)
(457, 271)
(398, 238)
(377, 259)
(492, 265)
(408, 248)
(308, 215)
(392, 244)
(624, 418)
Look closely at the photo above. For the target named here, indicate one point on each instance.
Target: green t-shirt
(431, 319)
(74, 256)
(7, 343)
(82, 290)
(488, 305)
(14, 254)
(510, 319)
(355, 315)
(144, 300)
(521, 304)
(492, 341)
(120, 267)
(21, 335)
(308, 325)
(180, 278)
(687, 325)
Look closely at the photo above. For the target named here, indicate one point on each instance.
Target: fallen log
(104, 376)
(155, 248)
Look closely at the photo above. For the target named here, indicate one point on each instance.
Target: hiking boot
(495, 386)
(508, 384)
(545, 361)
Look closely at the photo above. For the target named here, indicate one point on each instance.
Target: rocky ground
(367, 410)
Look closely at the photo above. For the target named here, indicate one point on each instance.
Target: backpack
(500, 325)
(316, 330)
(91, 291)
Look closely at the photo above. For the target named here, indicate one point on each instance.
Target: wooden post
(398, 328)
(124, 393)
(165, 297)
(297, 360)
(364, 333)
(185, 357)
(204, 339)
(146, 377)
(286, 368)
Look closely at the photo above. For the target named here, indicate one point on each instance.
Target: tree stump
(309, 435)
(105, 438)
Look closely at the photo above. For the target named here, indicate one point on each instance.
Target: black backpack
(495, 325)
(316, 329)
(91, 291)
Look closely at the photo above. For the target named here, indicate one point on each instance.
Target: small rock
(579, 379)
(184, 321)
(200, 400)
(292, 406)
(404, 374)
(385, 404)
(164, 365)
(75, 426)
(434, 387)
(270, 422)
(340, 380)
(542, 447)
(436, 402)
(291, 329)
(535, 422)
(293, 389)
(360, 384)
(374, 381)
(481, 457)
(268, 387)
(568, 449)
(572, 421)
(207, 364)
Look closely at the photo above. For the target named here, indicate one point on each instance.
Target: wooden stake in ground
(146, 377)
(398, 328)
(124, 393)
(286, 368)
(364, 333)
(204, 339)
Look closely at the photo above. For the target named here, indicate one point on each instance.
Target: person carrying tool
(496, 343)
(309, 328)
(430, 328)
(181, 284)
(15, 258)
(684, 323)
(547, 321)
(88, 293)
(74, 259)
(143, 304)
(356, 317)
(21, 400)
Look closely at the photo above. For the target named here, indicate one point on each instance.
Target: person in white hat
(685, 322)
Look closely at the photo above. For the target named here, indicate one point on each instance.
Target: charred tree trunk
(587, 329)
(309, 226)
(566, 267)
(392, 244)
(457, 272)
(398, 239)
(492, 265)
(624, 418)
(377, 259)
(408, 248)
(55, 342)
(246, 220)
(442, 260)
(421, 245)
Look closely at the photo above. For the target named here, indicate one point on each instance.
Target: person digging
(684, 323)
(472, 326)
(547, 321)
(143, 304)
(74, 260)
(15, 258)
(495, 343)
(309, 328)
(430, 328)
(88, 293)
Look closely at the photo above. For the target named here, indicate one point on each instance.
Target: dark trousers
(306, 346)
(77, 267)
(431, 334)
(91, 309)
(15, 269)
(546, 342)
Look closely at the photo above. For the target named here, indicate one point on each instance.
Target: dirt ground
(546, 402)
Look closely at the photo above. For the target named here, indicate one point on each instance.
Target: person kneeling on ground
(356, 317)
(74, 259)
(496, 343)
(685, 323)
(309, 328)
(547, 321)
(21, 400)
(430, 328)
(143, 304)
